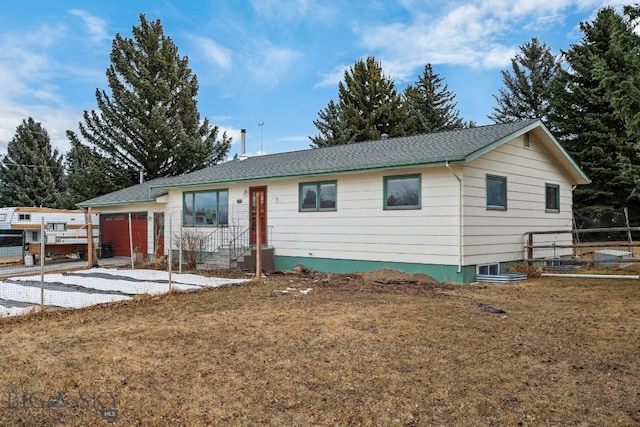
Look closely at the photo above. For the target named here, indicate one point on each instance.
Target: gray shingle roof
(437, 147)
(452, 146)
(144, 192)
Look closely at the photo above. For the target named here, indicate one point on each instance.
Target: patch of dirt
(385, 280)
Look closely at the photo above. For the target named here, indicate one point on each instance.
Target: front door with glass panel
(253, 214)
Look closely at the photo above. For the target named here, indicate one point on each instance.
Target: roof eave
(572, 168)
(314, 173)
(121, 203)
(576, 171)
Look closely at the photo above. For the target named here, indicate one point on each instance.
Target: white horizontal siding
(361, 229)
(499, 236)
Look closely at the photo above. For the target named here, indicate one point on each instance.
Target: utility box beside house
(248, 263)
(611, 258)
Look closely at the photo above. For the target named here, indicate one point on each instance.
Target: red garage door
(114, 229)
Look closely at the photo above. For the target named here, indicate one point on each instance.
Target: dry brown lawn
(352, 351)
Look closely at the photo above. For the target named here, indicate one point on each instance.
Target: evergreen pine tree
(83, 165)
(620, 78)
(332, 129)
(430, 106)
(526, 88)
(150, 123)
(369, 103)
(588, 122)
(32, 174)
(624, 88)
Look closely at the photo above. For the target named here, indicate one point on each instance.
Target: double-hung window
(317, 196)
(205, 208)
(402, 192)
(496, 192)
(552, 198)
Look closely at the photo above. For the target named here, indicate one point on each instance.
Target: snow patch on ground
(77, 289)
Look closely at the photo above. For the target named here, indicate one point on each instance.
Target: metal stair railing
(235, 238)
(239, 245)
(243, 245)
(210, 244)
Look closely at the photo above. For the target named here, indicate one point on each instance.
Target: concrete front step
(219, 259)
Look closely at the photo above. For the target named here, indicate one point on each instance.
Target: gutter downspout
(459, 215)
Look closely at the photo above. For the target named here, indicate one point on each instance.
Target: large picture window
(552, 197)
(496, 192)
(205, 208)
(402, 192)
(318, 196)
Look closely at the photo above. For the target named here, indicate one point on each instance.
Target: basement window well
(489, 269)
(490, 273)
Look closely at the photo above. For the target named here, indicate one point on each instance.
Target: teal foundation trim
(441, 273)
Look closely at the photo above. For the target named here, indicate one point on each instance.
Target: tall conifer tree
(587, 116)
(525, 94)
(150, 122)
(84, 164)
(369, 102)
(431, 107)
(32, 173)
(368, 106)
(333, 130)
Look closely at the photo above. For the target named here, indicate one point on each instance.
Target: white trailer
(63, 232)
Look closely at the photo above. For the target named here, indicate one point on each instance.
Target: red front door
(253, 224)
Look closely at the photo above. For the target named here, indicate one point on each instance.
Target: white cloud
(470, 33)
(29, 89)
(295, 138)
(233, 133)
(55, 120)
(97, 27)
(24, 64)
(270, 64)
(214, 52)
(332, 78)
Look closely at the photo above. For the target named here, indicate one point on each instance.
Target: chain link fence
(48, 261)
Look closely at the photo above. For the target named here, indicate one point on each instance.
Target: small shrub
(192, 247)
(529, 270)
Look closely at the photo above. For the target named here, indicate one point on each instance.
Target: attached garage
(116, 233)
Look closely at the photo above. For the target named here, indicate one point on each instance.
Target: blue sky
(270, 61)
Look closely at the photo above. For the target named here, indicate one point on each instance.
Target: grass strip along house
(448, 204)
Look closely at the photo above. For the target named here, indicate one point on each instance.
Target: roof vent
(384, 136)
(526, 142)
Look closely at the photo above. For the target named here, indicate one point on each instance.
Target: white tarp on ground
(19, 295)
